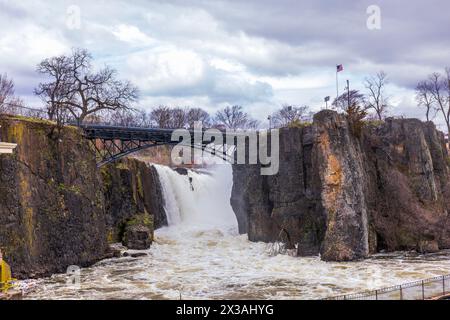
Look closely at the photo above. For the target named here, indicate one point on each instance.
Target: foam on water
(200, 255)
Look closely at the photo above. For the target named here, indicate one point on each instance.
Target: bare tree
(346, 100)
(9, 103)
(377, 99)
(198, 115)
(235, 118)
(77, 88)
(123, 118)
(178, 118)
(160, 117)
(252, 124)
(6, 89)
(440, 91)
(288, 115)
(437, 87)
(424, 98)
(99, 119)
(143, 119)
(55, 93)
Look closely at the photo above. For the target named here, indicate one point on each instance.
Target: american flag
(340, 68)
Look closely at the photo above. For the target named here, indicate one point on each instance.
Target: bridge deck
(127, 133)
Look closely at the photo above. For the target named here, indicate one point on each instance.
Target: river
(202, 256)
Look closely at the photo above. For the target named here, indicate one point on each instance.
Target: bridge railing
(417, 290)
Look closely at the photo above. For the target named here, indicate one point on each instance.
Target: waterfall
(199, 200)
(200, 255)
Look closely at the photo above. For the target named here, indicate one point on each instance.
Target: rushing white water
(200, 255)
(198, 201)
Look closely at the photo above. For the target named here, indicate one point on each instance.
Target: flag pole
(348, 93)
(337, 85)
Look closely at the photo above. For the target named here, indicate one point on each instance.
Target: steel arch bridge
(113, 143)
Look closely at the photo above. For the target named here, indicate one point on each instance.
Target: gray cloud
(247, 52)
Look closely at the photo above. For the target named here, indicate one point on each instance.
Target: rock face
(338, 161)
(284, 207)
(347, 195)
(58, 209)
(137, 237)
(132, 194)
(51, 201)
(408, 202)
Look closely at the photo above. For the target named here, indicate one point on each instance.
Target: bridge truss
(114, 143)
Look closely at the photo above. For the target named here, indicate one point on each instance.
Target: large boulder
(137, 237)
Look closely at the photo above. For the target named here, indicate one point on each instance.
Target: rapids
(201, 255)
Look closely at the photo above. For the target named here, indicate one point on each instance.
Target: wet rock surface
(132, 192)
(137, 237)
(135, 254)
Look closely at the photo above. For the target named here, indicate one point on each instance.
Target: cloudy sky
(256, 53)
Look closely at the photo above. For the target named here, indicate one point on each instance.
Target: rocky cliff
(132, 195)
(51, 200)
(345, 194)
(57, 209)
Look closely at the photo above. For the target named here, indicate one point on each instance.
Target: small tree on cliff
(437, 91)
(354, 105)
(76, 89)
(376, 96)
(8, 101)
(349, 99)
(425, 99)
(289, 115)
